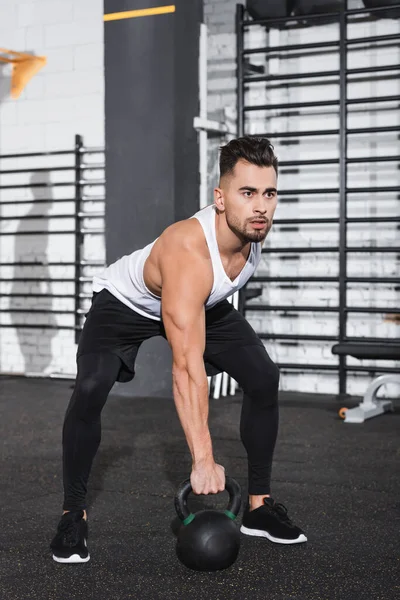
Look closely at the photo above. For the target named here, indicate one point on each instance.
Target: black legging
(96, 375)
(258, 376)
(250, 366)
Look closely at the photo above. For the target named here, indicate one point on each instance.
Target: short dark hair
(255, 150)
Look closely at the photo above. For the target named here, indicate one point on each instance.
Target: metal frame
(78, 199)
(372, 406)
(244, 80)
(202, 124)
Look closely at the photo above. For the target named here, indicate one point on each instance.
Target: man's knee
(88, 399)
(263, 384)
(89, 386)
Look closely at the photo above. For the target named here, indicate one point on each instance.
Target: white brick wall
(69, 89)
(220, 17)
(66, 97)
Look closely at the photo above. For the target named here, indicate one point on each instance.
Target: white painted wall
(220, 17)
(65, 98)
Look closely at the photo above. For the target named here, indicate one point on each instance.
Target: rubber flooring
(340, 482)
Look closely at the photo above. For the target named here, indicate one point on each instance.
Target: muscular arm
(186, 283)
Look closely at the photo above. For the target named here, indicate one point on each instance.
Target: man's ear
(219, 199)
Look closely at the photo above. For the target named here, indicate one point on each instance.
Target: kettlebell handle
(232, 510)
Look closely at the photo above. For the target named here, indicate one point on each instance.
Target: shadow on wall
(34, 343)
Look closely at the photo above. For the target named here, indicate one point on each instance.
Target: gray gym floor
(340, 482)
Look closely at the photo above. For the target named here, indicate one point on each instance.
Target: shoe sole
(75, 558)
(261, 533)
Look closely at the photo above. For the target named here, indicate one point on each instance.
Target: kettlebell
(208, 540)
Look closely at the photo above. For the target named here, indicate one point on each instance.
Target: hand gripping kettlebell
(208, 540)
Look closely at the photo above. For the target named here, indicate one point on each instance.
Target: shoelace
(281, 512)
(69, 531)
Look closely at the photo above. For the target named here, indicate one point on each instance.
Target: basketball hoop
(24, 67)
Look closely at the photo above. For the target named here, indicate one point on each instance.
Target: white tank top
(124, 278)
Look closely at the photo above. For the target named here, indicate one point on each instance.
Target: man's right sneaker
(69, 545)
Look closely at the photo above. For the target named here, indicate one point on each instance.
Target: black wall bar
(246, 76)
(78, 200)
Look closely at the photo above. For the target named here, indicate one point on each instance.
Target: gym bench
(371, 406)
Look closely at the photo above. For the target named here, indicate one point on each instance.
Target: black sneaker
(70, 542)
(271, 521)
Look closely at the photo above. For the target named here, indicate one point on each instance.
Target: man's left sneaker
(271, 521)
(69, 545)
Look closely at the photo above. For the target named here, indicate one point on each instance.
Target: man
(177, 287)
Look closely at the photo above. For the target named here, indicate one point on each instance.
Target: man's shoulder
(184, 235)
(182, 251)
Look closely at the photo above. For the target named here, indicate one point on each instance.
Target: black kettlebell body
(208, 540)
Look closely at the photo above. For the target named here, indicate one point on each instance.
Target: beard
(243, 231)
